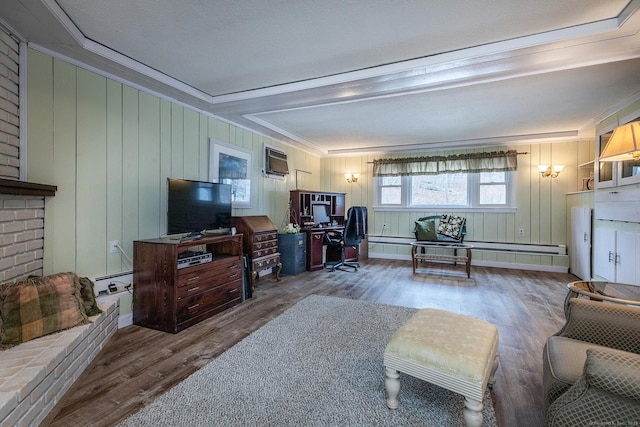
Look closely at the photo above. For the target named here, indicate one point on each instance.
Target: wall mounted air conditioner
(275, 162)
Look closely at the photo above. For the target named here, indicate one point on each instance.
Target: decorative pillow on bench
(40, 306)
(451, 226)
(426, 230)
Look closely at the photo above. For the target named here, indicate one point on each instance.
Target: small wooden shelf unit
(170, 299)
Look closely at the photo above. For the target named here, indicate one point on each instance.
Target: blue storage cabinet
(293, 252)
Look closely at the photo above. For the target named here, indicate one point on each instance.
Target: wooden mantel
(24, 188)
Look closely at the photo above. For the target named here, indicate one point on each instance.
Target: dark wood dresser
(170, 295)
(260, 243)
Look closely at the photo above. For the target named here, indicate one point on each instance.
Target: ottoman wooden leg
(472, 412)
(392, 384)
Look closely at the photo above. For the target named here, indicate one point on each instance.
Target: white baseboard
(125, 320)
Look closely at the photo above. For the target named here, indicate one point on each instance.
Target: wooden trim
(24, 188)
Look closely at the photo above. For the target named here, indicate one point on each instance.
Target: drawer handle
(317, 236)
(193, 289)
(191, 279)
(193, 306)
(233, 291)
(233, 276)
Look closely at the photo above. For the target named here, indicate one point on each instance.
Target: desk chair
(355, 230)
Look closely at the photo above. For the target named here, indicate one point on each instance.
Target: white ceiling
(352, 76)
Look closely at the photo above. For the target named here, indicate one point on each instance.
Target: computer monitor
(320, 214)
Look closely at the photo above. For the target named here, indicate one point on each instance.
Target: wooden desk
(424, 256)
(315, 244)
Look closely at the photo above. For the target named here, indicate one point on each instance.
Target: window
(451, 190)
(447, 189)
(390, 188)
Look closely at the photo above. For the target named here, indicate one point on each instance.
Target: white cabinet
(580, 249)
(616, 255)
(627, 258)
(604, 251)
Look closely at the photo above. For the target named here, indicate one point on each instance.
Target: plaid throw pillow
(39, 306)
(89, 297)
(451, 226)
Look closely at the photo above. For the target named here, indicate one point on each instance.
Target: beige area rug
(317, 364)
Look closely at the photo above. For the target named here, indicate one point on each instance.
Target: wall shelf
(24, 188)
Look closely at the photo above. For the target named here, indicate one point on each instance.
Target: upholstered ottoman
(453, 351)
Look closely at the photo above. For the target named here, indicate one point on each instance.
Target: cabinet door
(315, 254)
(581, 242)
(627, 253)
(604, 253)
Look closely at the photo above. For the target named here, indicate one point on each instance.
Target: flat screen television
(198, 207)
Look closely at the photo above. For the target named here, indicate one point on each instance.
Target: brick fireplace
(21, 203)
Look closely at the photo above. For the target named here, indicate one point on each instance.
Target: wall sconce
(624, 144)
(550, 170)
(352, 177)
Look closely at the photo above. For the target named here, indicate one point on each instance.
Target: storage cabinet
(580, 248)
(315, 245)
(260, 243)
(615, 256)
(293, 251)
(170, 299)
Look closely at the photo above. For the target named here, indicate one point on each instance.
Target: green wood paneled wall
(110, 147)
(541, 203)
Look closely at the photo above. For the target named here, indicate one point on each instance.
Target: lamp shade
(624, 144)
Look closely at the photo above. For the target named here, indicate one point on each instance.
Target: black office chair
(355, 230)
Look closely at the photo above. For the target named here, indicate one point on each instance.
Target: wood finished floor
(139, 364)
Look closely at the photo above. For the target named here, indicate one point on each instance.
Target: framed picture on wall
(232, 165)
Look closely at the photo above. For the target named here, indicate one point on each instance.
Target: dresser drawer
(261, 237)
(196, 304)
(266, 262)
(221, 272)
(264, 252)
(257, 246)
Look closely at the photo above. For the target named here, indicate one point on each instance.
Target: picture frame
(232, 165)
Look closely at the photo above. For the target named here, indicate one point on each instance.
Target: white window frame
(473, 204)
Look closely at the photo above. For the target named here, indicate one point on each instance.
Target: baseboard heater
(520, 248)
(112, 276)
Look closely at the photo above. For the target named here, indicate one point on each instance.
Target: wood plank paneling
(130, 162)
(63, 218)
(91, 173)
(149, 179)
(115, 262)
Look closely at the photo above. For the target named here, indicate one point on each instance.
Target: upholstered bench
(453, 351)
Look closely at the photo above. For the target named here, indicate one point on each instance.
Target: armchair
(591, 367)
(354, 231)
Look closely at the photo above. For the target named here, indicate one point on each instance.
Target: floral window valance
(496, 161)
